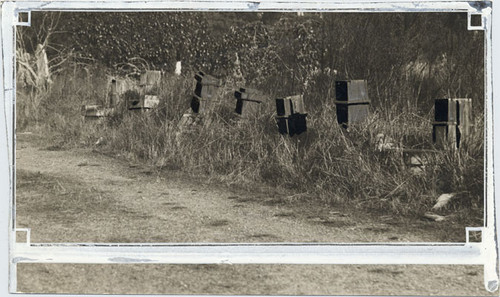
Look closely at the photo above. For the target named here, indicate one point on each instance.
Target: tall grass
(327, 164)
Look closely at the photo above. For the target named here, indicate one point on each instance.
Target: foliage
(421, 56)
(408, 60)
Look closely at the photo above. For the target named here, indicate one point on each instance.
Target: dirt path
(83, 196)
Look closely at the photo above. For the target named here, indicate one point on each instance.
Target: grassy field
(327, 164)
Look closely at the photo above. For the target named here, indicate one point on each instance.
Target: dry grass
(327, 164)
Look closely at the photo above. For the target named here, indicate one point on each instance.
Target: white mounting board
(484, 253)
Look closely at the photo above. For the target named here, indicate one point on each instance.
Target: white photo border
(12, 253)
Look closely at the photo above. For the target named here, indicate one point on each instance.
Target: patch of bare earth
(82, 196)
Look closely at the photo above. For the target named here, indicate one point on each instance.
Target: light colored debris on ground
(417, 164)
(443, 200)
(384, 143)
(100, 141)
(434, 217)
(187, 120)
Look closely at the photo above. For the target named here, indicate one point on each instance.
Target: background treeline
(408, 59)
(413, 57)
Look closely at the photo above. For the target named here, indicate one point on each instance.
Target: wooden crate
(452, 122)
(291, 115)
(290, 105)
(145, 102)
(95, 112)
(292, 125)
(297, 103)
(352, 101)
(206, 88)
(206, 85)
(247, 104)
(149, 82)
(199, 104)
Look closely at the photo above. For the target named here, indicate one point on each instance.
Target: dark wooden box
(247, 104)
(291, 115)
(452, 121)
(205, 89)
(352, 101)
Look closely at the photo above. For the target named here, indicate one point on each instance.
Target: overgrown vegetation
(408, 60)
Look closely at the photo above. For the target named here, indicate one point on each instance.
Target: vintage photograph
(265, 127)
(249, 127)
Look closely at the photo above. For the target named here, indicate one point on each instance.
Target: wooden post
(113, 98)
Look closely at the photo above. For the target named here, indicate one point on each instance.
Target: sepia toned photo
(249, 128)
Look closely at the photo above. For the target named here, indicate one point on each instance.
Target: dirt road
(83, 196)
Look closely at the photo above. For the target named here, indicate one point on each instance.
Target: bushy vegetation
(408, 60)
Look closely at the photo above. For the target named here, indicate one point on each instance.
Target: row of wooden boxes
(352, 103)
(451, 124)
(206, 87)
